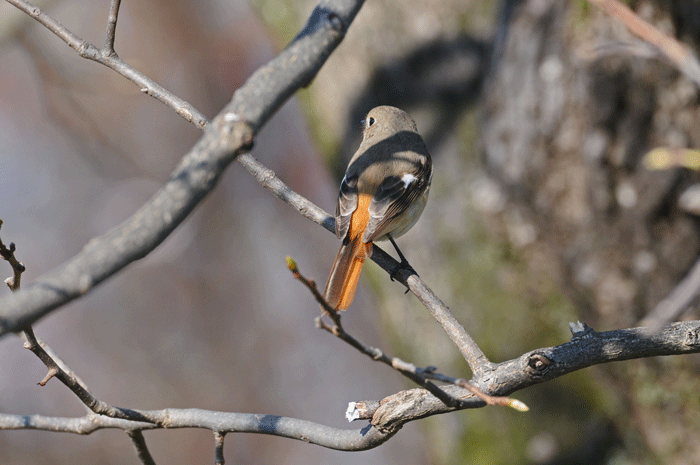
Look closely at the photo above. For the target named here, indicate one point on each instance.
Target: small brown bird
(382, 195)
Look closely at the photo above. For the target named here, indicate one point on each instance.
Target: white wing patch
(407, 179)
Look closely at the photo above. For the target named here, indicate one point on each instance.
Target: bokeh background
(540, 213)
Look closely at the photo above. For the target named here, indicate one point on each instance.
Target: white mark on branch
(85, 283)
(231, 117)
(579, 329)
(352, 413)
(184, 113)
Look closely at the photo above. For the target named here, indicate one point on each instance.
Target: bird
(382, 195)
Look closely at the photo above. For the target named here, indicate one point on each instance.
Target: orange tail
(342, 282)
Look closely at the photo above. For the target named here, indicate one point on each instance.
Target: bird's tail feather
(345, 274)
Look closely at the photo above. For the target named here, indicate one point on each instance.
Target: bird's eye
(370, 121)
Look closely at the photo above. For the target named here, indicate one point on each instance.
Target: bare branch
(538, 366)
(219, 448)
(112, 61)
(230, 135)
(417, 375)
(677, 300)
(487, 399)
(111, 28)
(677, 53)
(268, 179)
(365, 438)
(141, 448)
(389, 414)
(83, 425)
(475, 357)
(103, 415)
(8, 254)
(406, 369)
(73, 383)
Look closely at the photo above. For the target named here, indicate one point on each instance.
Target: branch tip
(8, 254)
(51, 373)
(292, 265)
(515, 404)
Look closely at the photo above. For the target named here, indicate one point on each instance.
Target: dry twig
(8, 254)
(677, 53)
(229, 137)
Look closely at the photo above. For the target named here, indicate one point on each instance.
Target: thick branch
(268, 179)
(538, 366)
(389, 414)
(223, 422)
(230, 134)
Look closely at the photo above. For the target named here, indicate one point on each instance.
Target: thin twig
(8, 254)
(219, 448)
(488, 399)
(389, 414)
(110, 59)
(478, 362)
(108, 49)
(142, 451)
(268, 179)
(371, 352)
(55, 365)
(677, 53)
(677, 300)
(73, 383)
(52, 361)
(419, 376)
(311, 286)
(229, 135)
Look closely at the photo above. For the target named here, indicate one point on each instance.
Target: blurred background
(537, 114)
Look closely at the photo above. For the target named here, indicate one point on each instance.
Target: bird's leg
(404, 263)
